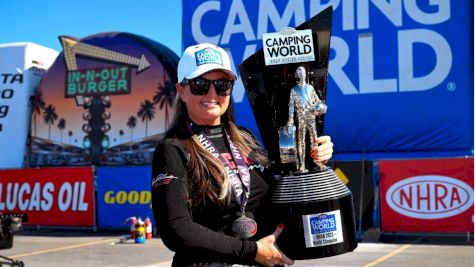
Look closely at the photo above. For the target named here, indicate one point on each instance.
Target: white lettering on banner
(365, 59)
(198, 35)
(64, 200)
(23, 203)
(11, 196)
(335, 69)
(442, 14)
(355, 15)
(237, 12)
(443, 64)
(391, 10)
(69, 199)
(407, 81)
(430, 197)
(36, 199)
(47, 201)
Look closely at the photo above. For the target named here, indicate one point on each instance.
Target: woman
(209, 178)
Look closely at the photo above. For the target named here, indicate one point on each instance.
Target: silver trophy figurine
(305, 106)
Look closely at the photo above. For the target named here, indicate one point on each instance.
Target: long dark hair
(203, 167)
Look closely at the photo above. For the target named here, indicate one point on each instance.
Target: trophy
(286, 84)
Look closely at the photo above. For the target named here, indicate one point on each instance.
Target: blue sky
(41, 22)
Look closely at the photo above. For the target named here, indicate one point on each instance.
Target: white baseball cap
(202, 58)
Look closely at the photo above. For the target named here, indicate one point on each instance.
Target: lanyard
(240, 180)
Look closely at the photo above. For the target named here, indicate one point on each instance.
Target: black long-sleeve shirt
(203, 233)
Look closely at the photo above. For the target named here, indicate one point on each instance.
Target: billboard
(106, 100)
(123, 192)
(49, 196)
(22, 66)
(400, 72)
(433, 195)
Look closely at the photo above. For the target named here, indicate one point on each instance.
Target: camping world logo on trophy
(286, 85)
(288, 46)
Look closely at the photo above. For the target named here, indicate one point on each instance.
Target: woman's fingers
(268, 254)
(286, 260)
(281, 257)
(278, 230)
(323, 149)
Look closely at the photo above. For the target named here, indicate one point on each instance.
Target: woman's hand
(268, 254)
(322, 150)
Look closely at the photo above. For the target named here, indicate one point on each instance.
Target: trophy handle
(287, 145)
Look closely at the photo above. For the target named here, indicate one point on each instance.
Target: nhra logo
(208, 55)
(430, 197)
(323, 223)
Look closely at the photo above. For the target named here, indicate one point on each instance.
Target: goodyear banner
(427, 195)
(49, 196)
(22, 66)
(123, 192)
(401, 72)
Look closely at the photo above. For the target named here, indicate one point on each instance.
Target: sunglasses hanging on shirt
(200, 86)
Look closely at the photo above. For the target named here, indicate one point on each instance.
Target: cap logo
(208, 55)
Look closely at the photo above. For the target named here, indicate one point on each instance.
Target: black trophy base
(314, 228)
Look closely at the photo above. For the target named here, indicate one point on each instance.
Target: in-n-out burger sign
(430, 197)
(42, 197)
(288, 46)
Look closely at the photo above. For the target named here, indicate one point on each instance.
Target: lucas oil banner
(433, 195)
(22, 66)
(123, 192)
(400, 71)
(49, 196)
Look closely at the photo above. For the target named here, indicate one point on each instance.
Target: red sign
(49, 196)
(434, 195)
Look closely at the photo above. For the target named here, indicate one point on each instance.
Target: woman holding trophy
(210, 185)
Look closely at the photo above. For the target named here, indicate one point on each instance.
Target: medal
(244, 227)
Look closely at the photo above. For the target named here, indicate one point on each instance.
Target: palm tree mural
(70, 134)
(131, 123)
(165, 95)
(146, 112)
(49, 116)
(121, 133)
(61, 126)
(38, 107)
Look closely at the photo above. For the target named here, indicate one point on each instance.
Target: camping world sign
(288, 46)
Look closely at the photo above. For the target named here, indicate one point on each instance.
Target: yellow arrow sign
(72, 48)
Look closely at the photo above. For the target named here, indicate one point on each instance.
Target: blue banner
(401, 71)
(123, 192)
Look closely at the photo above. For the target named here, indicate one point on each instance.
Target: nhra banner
(401, 72)
(22, 66)
(427, 195)
(123, 192)
(50, 196)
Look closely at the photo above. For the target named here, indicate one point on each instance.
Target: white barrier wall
(22, 66)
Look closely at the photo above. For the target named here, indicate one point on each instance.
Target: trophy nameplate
(286, 85)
